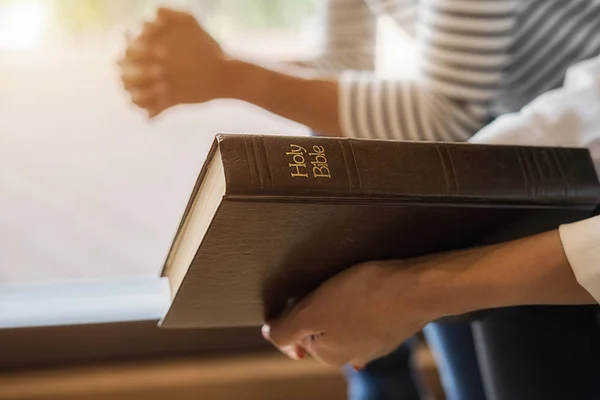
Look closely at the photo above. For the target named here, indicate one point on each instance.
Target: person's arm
(447, 101)
(367, 311)
(305, 96)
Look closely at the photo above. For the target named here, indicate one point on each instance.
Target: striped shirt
(477, 59)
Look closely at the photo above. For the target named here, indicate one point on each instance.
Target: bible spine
(317, 168)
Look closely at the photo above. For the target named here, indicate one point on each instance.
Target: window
(90, 189)
(92, 193)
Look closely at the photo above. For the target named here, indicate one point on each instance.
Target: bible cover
(272, 217)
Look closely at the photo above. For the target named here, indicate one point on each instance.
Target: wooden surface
(264, 376)
(133, 341)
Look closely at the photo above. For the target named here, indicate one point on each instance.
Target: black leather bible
(273, 217)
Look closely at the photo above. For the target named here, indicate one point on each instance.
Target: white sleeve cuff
(581, 242)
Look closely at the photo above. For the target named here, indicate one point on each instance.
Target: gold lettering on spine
(317, 162)
(320, 167)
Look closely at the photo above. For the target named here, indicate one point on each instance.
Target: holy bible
(272, 217)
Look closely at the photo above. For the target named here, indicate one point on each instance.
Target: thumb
(293, 327)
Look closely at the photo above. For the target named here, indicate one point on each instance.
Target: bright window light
(22, 24)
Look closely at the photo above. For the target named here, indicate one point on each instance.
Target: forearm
(303, 96)
(529, 271)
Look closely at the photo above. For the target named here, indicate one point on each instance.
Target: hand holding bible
(370, 309)
(361, 314)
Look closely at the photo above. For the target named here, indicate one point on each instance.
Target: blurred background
(89, 188)
(91, 193)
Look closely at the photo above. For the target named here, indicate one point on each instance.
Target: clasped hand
(172, 61)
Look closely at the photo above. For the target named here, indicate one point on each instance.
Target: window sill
(83, 302)
(79, 323)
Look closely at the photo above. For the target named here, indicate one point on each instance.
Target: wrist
(241, 80)
(227, 76)
(302, 96)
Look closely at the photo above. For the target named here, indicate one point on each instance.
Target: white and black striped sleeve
(462, 48)
(350, 36)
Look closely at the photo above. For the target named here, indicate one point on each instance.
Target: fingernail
(291, 352)
(266, 331)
